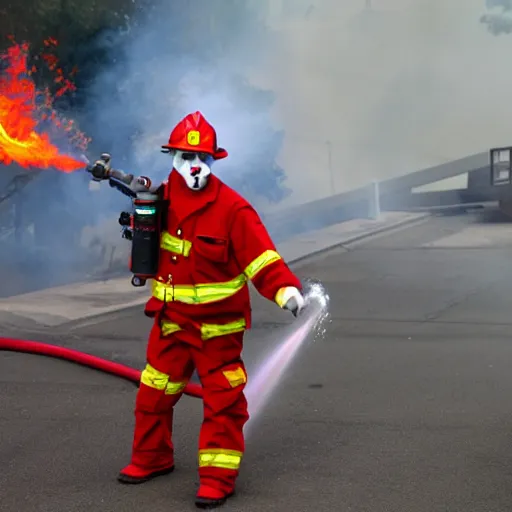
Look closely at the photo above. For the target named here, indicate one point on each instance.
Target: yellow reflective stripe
(152, 378)
(169, 328)
(213, 330)
(220, 458)
(207, 330)
(174, 388)
(235, 377)
(200, 293)
(260, 263)
(177, 245)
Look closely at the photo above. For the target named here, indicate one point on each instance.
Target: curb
(362, 236)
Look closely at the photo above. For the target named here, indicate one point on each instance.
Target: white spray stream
(267, 377)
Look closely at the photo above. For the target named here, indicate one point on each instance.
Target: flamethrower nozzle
(101, 169)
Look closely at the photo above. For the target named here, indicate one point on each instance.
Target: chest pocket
(211, 256)
(212, 248)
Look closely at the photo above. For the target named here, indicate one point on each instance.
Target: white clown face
(194, 167)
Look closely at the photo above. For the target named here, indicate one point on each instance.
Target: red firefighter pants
(171, 362)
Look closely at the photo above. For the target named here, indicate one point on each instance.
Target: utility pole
(329, 160)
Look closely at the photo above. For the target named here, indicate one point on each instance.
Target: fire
(23, 108)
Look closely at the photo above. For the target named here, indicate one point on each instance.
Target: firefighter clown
(212, 243)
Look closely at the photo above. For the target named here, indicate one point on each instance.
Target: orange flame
(19, 140)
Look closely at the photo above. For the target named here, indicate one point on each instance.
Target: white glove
(291, 299)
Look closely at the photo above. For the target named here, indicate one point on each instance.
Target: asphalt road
(403, 406)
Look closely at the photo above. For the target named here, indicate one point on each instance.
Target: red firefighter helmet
(195, 134)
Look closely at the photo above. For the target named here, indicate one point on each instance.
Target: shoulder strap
(163, 192)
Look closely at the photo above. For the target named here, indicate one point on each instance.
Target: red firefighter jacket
(213, 244)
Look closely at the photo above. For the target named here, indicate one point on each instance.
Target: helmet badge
(194, 138)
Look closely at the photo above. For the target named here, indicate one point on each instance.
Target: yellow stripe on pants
(208, 331)
(152, 378)
(220, 458)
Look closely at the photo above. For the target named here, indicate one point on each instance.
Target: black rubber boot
(210, 503)
(133, 480)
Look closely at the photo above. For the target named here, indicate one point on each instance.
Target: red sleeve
(257, 255)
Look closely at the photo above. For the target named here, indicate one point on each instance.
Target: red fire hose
(120, 370)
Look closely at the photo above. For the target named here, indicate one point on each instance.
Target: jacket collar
(185, 202)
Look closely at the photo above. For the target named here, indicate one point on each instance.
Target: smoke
(340, 92)
(171, 65)
(498, 22)
(166, 63)
(384, 89)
